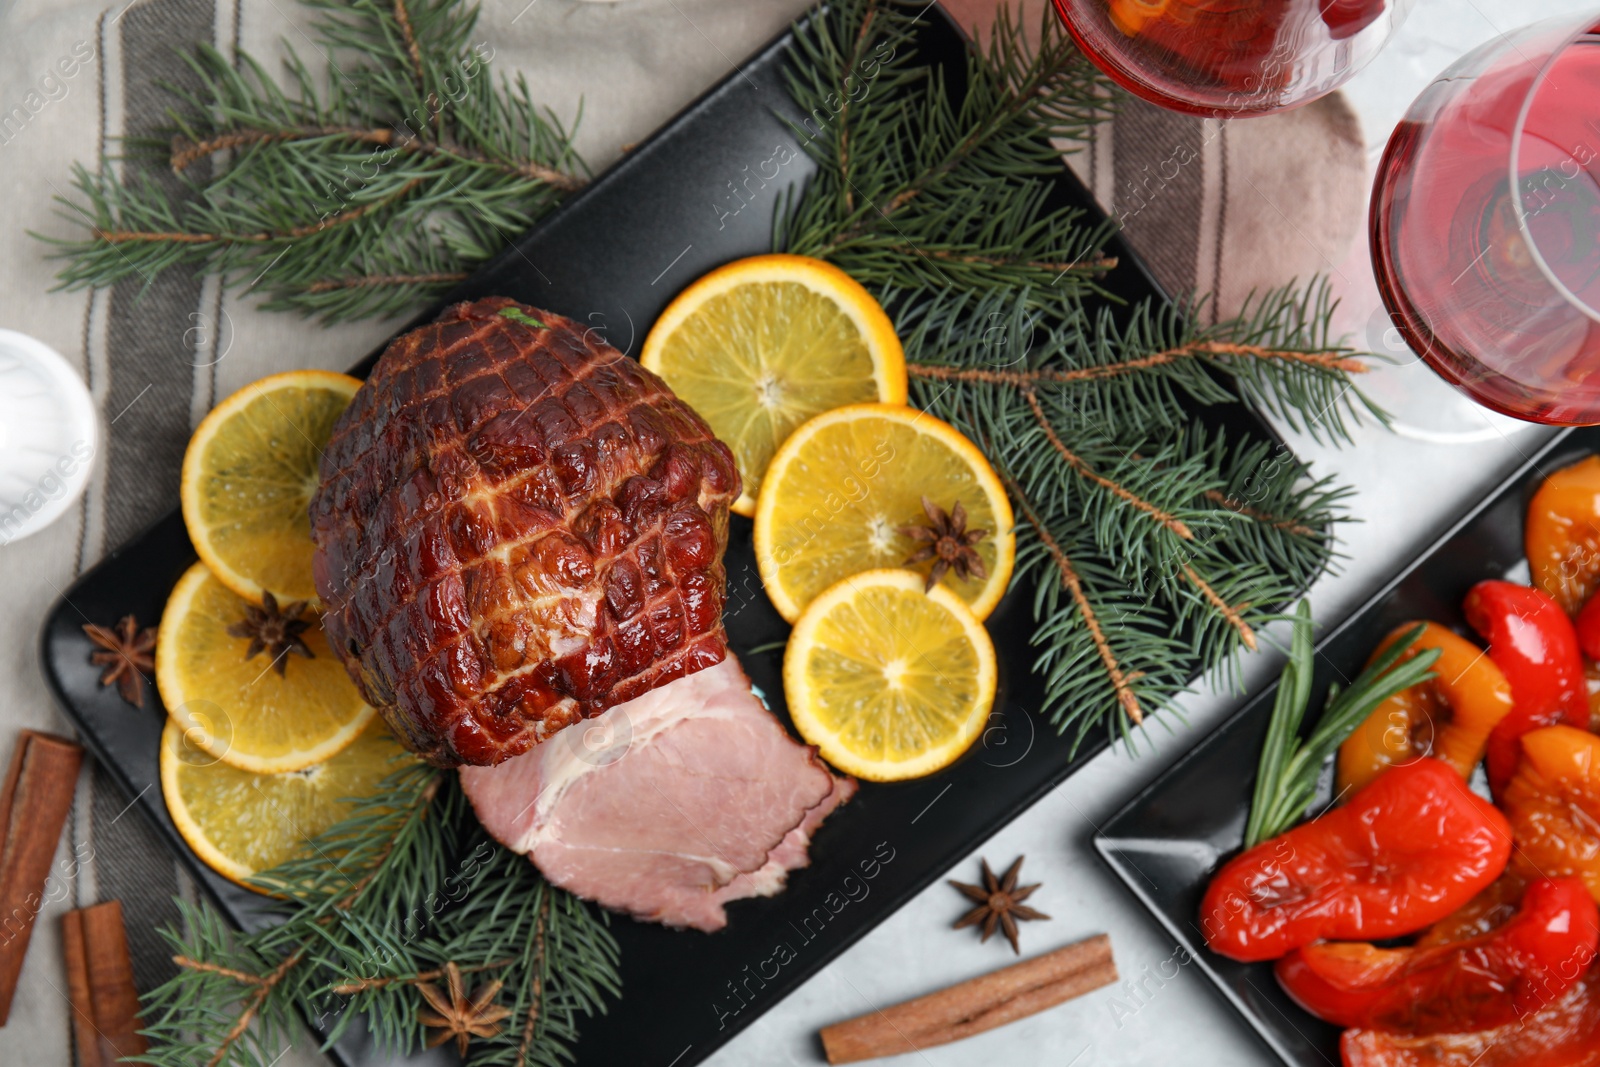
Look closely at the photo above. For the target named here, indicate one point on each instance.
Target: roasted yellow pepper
(1553, 804)
(1449, 717)
(1563, 534)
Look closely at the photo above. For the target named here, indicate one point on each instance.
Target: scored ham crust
(517, 527)
(668, 806)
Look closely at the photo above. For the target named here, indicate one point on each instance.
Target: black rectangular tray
(1165, 843)
(681, 203)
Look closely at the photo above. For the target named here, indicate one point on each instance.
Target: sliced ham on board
(668, 806)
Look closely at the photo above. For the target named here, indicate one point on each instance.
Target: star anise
(127, 653)
(1000, 902)
(947, 541)
(273, 631)
(457, 1015)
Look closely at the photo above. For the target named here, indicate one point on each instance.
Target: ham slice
(667, 806)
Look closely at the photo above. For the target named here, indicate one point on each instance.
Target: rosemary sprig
(1286, 779)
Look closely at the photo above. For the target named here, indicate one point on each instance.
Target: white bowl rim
(84, 421)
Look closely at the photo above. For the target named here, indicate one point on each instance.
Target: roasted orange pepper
(1485, 912)
(1553, 804)
(1449, 717)
(1563, 534)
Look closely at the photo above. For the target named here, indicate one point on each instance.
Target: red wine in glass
(1231, 57)
(1485, 224)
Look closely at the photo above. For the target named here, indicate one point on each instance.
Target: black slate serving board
(702, 191)
(1165, 843)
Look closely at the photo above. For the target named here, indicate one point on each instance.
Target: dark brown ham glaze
(517, 527)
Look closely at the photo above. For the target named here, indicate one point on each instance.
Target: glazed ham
(668, 806)
(517, 527)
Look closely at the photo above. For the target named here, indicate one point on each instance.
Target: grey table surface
(657, 55)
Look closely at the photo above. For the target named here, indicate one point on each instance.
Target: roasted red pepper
(1486, 981)
(1399, 855)
(1553, 803)
(1588, 627)
(1533, 643)
(1451, 716)
(1565, 1034)
(1563, 534)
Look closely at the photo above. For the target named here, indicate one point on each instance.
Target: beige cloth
(1219, 208)
(1222, 208)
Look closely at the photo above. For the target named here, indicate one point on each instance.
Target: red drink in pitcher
(1485, 224)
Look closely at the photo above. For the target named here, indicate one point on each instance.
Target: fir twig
(1083, 470)
(264, 985)
(1247, 635)
(1293, 526)
(1074, 585)
(923, 186)
(380, 903)
(1337, 360)
(1156, 544)
(362, 985)
(357, 191)
(530, 1026)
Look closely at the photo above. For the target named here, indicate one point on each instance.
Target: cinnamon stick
(34, 804)
(976, 1005)
(107, 971)
(84, 1035)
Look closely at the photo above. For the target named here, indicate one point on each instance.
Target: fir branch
(362, 985)
(923, 186)
(1074, 585)
(294, 233)
(184, 153)
(1117, 376)
(1312, 394)
(357, 192)
(377, 904)
(1293, 526)
(408, 35)
(264, 985)
(1247, 635)
(1218, 351)
(1156, 545)
(1181, 541)
(530, 1026)
(216, 968)
(1084, 471)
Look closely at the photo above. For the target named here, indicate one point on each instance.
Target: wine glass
(1231, 57)
(1485, 223)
